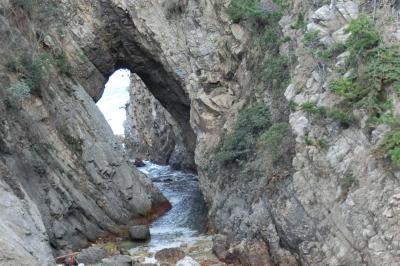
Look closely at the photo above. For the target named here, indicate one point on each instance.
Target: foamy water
(187, 219)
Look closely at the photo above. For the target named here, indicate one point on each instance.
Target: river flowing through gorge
(184, 225)
(188, 217)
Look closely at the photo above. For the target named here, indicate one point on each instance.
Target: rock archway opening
(114, 99)
(147, 129)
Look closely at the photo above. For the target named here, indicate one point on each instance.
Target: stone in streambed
(169, 256)
(139, 162)
(187, 261)
(92, 255)
(220, 247)
(139, 232)
(118, 260)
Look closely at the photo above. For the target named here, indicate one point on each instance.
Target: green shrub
(311, 39)
(345, 117)
(75, 144)
(383, 67)
(313, 108)
(41, 11)
(346, 183)
(282, 4)
(395, 155)
(12, 64)
(318, 143)
(251, 10)
(331, 51)
(271, 39)
(34, 70)
(300, 22)
(239, 10)
(30, 68)
(374, 69)
(363, 36)
(254, 120)
(275, 134)
(390, 146)
(308, 141)
(342, 116)
(248, 127)
(367, 87)
(344, 87)
(62, 64)
(18, 92)
(276, 71)
(27, 5)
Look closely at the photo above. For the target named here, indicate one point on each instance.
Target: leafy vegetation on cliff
(324, 112)
(373, 79)
(33, 66)
(276, 71)
(30, 68)
(390, 146)
(239, 144)
(254, 128)
(18, 92)
(252, 10)
(346, 182)
(40, 11)
(274, 136)
(33, 71)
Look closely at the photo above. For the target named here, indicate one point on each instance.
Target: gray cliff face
(62, 167)
(151, 132)
(350, 225)
(64, 177)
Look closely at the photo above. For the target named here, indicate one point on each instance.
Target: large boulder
(139, 232)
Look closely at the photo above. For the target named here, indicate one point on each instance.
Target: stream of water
(187, 219)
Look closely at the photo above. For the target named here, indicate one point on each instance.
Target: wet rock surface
(139, 232)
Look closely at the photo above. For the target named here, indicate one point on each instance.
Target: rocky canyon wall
(64, 179)
(287, 180)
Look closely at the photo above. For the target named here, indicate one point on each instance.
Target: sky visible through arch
(115, 96)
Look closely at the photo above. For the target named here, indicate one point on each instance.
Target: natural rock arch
(118, 43)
